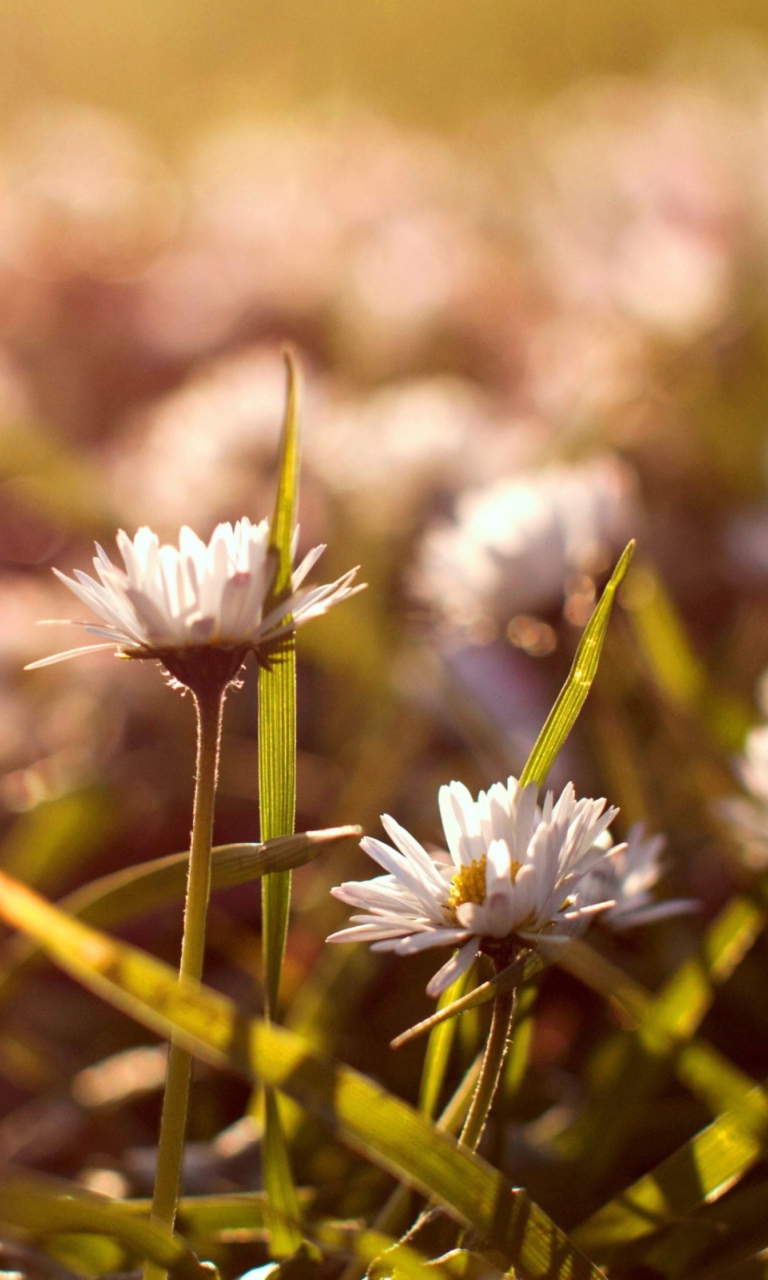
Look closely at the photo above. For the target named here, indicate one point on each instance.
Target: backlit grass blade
(520, 971)
(570, 700)
(666, 1023)
(387, 1131)
(43, 1205)
(277, 801)
(242, 1216)
(439, 1051)
(392, 1215)
(699, 1172)
(45, 845)
(277, 701)
(131, 892)
(715, 1238)
(209, 1218)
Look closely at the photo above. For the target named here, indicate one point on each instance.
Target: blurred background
(522, 253)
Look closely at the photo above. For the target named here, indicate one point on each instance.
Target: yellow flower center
(468, 885)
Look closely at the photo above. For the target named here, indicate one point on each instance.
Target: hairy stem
(209, 702)
(490, 1072)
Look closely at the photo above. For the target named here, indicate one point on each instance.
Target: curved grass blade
(46, 844)
(385, 1130)
(127, 894)
(44, 1205)
(238, 1214)
(570, 700)
(665, 1025)
(243, 1216)
(277, 800)
(378, 1254)
(520, 971)
(699, 1172)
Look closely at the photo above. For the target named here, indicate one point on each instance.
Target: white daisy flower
(171, 601)
(628, 876)
(514, 543)
(514, 873)
(749, 817)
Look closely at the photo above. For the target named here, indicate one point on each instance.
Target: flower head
(514, 543)
(170, 601)
(515, 872)
(749, 817)
(628, 876)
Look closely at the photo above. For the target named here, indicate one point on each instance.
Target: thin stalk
(209, 702)
(490, 1072)
(487, 1081)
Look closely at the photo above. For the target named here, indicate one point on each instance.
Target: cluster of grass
(626, 1137)
(699, 1212)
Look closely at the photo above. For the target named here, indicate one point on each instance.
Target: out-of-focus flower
(514, 543)
(79, 193)
(390, 454)
(169, 600)
(257, 251)
(582, 366)
(641, 205)
(515, 872)
(208, 445)
(628, 877)
(749, 817)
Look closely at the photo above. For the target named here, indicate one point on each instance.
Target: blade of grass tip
(131, 892)
(571, 698)
(277, 802)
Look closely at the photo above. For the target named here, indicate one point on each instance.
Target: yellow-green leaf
(361, 1113)
(277, 801)
(43, 1206)
(570, 700)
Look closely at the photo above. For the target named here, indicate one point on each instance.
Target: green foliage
(134, 891)
(42, 1206)
(372, 1121)
(572, 696)
(277, 800)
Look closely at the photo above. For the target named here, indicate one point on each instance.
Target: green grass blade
(387, 1131)
(44, 1205)
(718, 1237)
(438, 1051)
(570, 700)
(131, 892)
(277, 802)
(211, 1218)
(243, 1216)
(699, 1172)
(520, 971)
(45, 845)
(277, 701)
(666, 1023)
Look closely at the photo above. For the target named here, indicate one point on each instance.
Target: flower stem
(490, 1072)
(209, 703)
